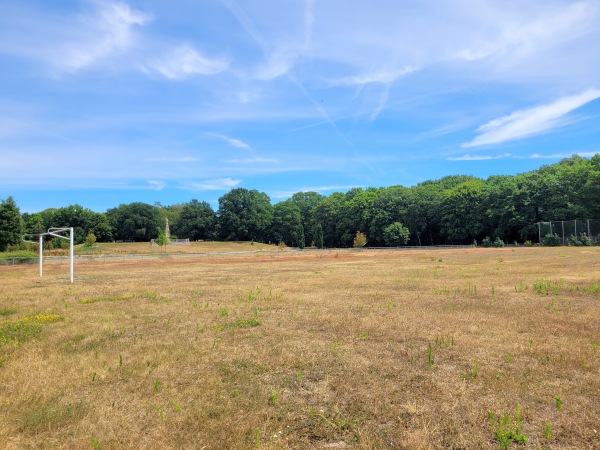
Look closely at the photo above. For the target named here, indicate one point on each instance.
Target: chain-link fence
(570, 231)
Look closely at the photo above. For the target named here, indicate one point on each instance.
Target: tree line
(451, 210)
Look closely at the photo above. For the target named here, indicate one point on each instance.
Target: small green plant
(558, 402)
(547, 431)
(530, 343)
(257, 438)
(7, 311)
(509, 357)
(273, 398)
(156, 384)
(176, 407)
(594, 347)
(95, 443)
(430, 360)
(475, 371)
(508, 430)
(224, 312)
(583, 363)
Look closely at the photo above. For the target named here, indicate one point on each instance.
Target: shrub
(90, 240)
(396, 235)
(360, 240)
(551, 240)
(498, 243)
(584, 240)
(486, 242)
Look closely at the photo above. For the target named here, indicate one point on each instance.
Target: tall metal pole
(589, 234)
(41, 254)
(71, 252)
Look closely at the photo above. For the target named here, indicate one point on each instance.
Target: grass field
(471, 348)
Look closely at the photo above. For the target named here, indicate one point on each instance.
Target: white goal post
(56, 232)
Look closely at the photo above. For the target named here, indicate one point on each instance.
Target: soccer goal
(57, 232)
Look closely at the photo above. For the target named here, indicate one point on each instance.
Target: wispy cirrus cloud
(557, 155)
(77, 42)
(185, 61)
(382, 76)
(174, 159)
(156, 185)
(253, 160)
(237, 143)
(532, 121)
(478, 157)
(218, 184)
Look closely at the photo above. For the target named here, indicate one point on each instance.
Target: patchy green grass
(24, 329)
(112, 298)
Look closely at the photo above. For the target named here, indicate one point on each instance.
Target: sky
(108, 102)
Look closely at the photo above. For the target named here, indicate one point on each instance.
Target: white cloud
(184, 61)
(219, 184)
(559, 155)
(168, 160)
(108, 31)
(156, 185)
(382, 76)
(254, 160)
(478, 157)
(231, 141)
(532, 121)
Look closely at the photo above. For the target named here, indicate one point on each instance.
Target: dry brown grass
(307, 350)
(193, 247)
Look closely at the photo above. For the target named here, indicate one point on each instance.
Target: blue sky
(108, 102)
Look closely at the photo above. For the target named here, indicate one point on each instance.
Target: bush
(486, 242)
(90, 240)
(396, 235)
(528, 243)
(360, 240)
(498, 243)
(585, 240)
(551, 240)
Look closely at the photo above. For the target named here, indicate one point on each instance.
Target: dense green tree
(172, 213)
(244, 215)
(356, 213)
(462, 219)
(135, 222)
(424, 213)
(327, 214)
(83, 221)
(11, 225)
(390, 206)
(33, 223)
(287, 224)
(307, 202)
(396, 235)
(197, 220)
(318, 234)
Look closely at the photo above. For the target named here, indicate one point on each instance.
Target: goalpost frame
(55, 231)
